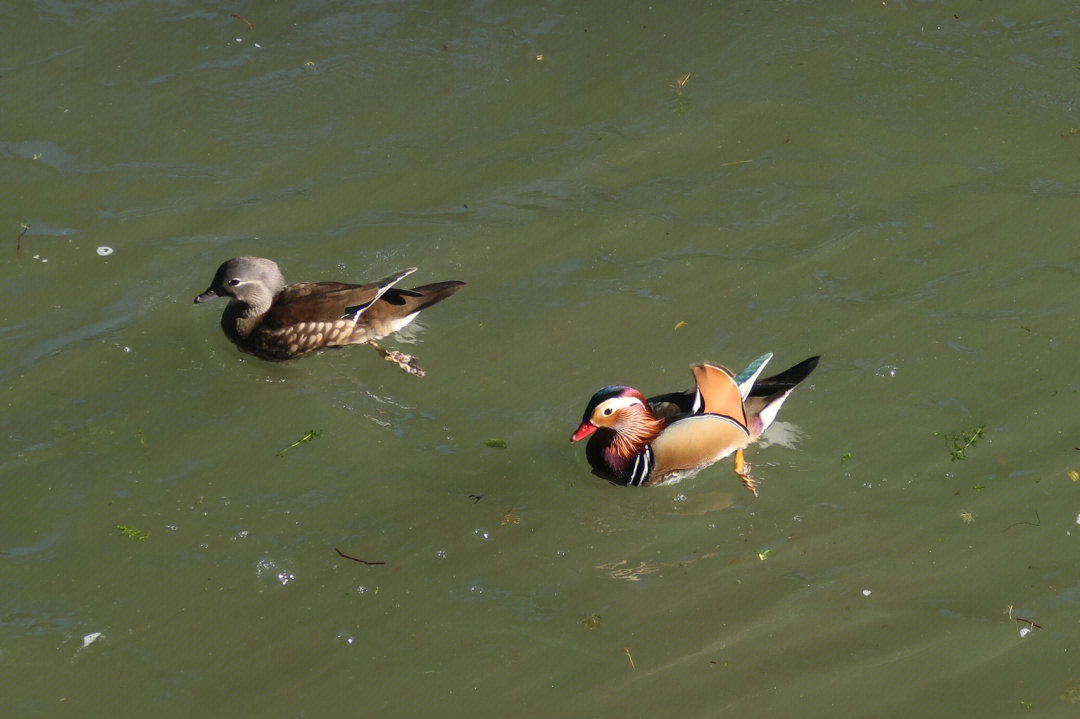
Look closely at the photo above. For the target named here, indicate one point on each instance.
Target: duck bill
(583, 431)
(207, 296)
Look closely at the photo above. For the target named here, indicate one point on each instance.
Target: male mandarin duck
(274, 321)
(641, 442)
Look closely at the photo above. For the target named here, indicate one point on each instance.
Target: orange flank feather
(719, 391)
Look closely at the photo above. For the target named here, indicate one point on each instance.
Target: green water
(891, 185)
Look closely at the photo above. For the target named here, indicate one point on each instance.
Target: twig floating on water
(626, 651)
(18, 240)
(311, 434)
(361, 561)
(1036, 523)
(244, 20)
(476, 497)
(1027, 621)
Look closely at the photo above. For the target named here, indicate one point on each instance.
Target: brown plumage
(274, 321)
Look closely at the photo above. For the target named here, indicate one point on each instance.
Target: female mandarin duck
(641, 442)
(275, 321)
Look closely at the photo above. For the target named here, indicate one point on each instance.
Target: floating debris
(132, 533)
(90, 638)
(1071, 695)
(509, 516)
(680, 103)
(866, 592)
(1073, 475)
(763, 555)
(626, 651)
(1036, 523)
(1024, 631)
(590, 622)
(680, 324)
(495, 443)
(959, 442)
(677, 86)
(354, 559)
(845, 457)
(18, 240)
(967, 517)
(104, 251)
(311, 434)
(618, 570)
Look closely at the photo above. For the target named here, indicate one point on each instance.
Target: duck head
(621, 410)
(252, 281)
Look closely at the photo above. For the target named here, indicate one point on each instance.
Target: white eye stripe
(614, 404)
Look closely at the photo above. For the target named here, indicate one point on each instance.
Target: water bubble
(346, 639)
(270, 573)
(482, 534)
(440, 553)
(104, 251)
(886, 371)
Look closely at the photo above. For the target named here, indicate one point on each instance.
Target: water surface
(891, 185)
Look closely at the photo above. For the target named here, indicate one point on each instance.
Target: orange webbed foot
(742, 468)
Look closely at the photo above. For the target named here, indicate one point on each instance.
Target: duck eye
(607, 410)
(234, 282)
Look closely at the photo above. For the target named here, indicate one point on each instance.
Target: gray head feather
(252, 281)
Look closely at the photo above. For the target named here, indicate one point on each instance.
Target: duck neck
(241, 317)
(637, 430)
